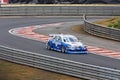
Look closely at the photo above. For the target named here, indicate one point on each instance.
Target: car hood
(75, 44)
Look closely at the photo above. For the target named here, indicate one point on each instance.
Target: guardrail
(102, 31)
(59, 65)
(68, 10)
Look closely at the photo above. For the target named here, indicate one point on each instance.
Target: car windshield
(70, 39)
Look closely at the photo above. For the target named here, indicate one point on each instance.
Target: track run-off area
(106, 52)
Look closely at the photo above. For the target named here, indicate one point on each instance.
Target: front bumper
(76, 51)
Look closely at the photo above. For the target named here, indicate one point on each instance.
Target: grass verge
(113, 22)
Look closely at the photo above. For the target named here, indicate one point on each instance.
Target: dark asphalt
(9, 40)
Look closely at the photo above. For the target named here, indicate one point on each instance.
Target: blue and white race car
(66, 44)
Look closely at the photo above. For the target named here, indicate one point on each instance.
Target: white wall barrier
(59, 65)
(74, 10)
(102, 31)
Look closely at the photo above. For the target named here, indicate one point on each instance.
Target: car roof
(67, 35)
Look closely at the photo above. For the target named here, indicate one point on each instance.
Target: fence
(68, 10)
(77, 69)
(102, 31)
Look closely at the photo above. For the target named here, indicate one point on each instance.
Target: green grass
(113, 22)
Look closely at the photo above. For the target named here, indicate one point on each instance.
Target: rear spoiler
(53, 35)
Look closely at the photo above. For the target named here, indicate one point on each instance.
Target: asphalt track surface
(9, 40)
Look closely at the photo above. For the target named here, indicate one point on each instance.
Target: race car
(66, 43)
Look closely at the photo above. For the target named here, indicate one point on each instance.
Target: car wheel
(63, 49)
(48, 46)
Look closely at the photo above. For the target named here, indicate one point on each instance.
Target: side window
(55, 38)
(59, 39)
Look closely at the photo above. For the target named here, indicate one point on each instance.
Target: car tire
(48, 46)
(63, 49)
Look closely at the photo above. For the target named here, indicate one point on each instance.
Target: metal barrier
(68, 10)
(59, 65)
(102, 31)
